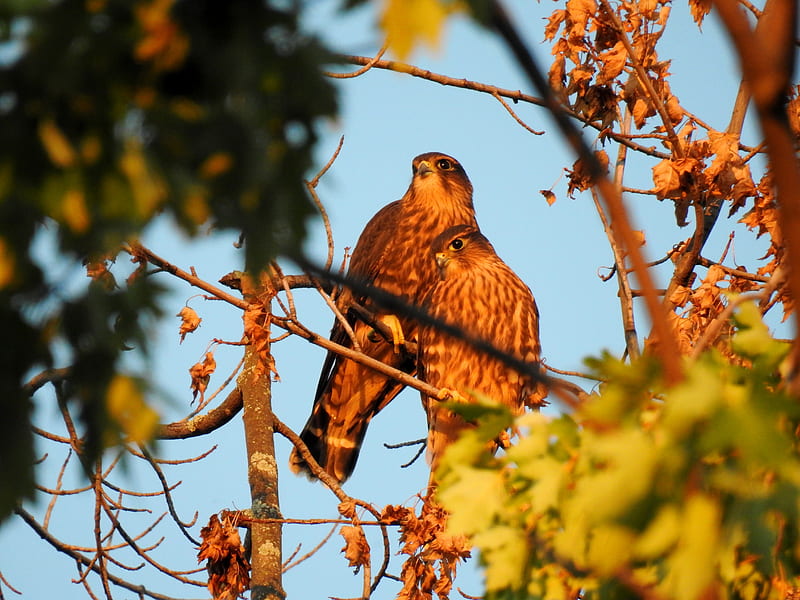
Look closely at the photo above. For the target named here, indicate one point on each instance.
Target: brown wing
(348, 394)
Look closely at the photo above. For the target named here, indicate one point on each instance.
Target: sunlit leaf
(127, 408)
(409, 22)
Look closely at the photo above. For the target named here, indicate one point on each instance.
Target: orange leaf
(613, 62)
(201, 374)
(189, 321)
(356, 548)
(226, 563)
(549, 196)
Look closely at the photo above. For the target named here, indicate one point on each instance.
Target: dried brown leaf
(201, 374)
(189, 321)
(356, 548)
(554, 22)
(347, 509)
(699, 10)
(226, 563)
(97, 270)
(613, 61)
(549, 196)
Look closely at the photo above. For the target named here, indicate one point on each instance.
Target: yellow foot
(393, 323)
(448, 394)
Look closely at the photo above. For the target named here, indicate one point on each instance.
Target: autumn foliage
(673, 474)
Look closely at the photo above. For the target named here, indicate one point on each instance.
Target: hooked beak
(424, 168)
(441, 261)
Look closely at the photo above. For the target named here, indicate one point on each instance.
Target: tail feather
(344, 406)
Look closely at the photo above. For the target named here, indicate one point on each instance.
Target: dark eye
(457, 244)
(444, 164)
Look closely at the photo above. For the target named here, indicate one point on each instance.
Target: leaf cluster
(685, 492)
(113, 113)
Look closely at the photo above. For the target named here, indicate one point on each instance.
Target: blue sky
(387, 119)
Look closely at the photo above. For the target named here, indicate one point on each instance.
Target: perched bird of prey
(481, 295)
(393, 254)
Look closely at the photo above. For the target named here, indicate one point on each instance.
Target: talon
(393, 323)
(448, 394)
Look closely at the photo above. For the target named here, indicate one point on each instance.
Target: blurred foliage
(113, 112)
(691, 492)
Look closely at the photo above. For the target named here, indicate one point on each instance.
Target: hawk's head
(460, 247)
(437, 173)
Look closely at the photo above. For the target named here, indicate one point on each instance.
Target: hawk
(478, 293)
(393, 254)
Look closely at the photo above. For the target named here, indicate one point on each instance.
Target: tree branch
(513, 95)
(81, 559)
(667, 348)
(205, 423)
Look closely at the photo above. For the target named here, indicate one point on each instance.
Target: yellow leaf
(127, 408)
(660, 535)
(91, 149)
(609, 548)
(473, 500)
(56, 144)
(7, 264)
(148, 190)
(195, 206)
(74, 212)
(407, 22)
(506, 550)
(692, 567)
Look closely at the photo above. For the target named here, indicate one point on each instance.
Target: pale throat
(452, 204)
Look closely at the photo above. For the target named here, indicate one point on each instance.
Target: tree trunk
(262, 472)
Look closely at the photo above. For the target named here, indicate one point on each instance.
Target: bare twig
(514, 95)
(81, 559)
(370, 63)
(168, 497)
(311, 186)
(514, 115)
(290, 563)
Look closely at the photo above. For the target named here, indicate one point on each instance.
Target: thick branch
(667, 348)
(767, 60)
(205, 423)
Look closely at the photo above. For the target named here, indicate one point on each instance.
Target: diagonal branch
(645, 80)
(667, 348)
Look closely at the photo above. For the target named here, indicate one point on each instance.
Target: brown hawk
(393, 254)
(481, 295)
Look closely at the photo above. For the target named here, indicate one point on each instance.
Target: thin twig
(514, 95)
(311, 186)
(371, 63)
(510, 110)
(80, 558)
(289, 564)
(168, 497)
